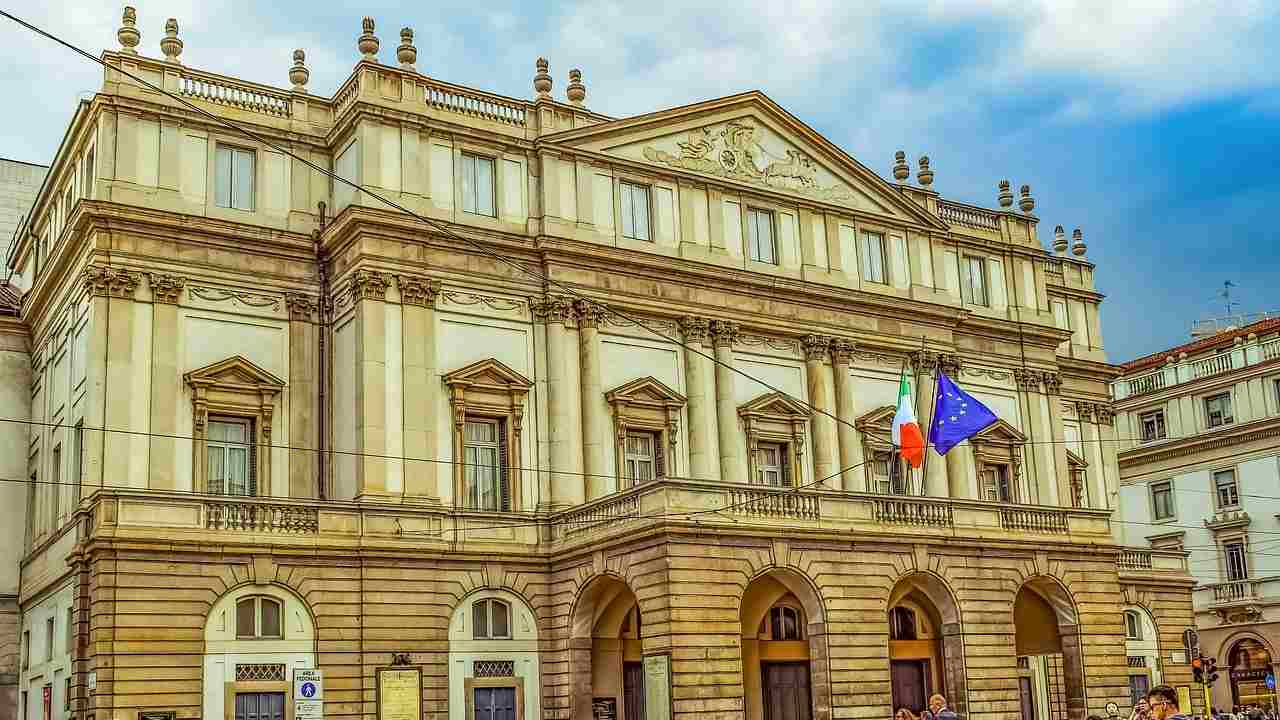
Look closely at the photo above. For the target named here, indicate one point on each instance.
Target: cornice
(1224, 438)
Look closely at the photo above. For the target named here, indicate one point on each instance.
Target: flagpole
(924, 464)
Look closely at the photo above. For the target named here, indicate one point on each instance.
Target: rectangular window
(86, 176)
(484, 455)
(873, 257)
(55, 488)
(995, 483)
(1162, 500)
(48, 639)
(1237, 567)
(32, 485)
(233, 184)
(1152, 426)
(760, 245)
(772, 467)
(1139, 686)
(641, 464)
(26, 649)
(635, 211)
(1224, 483)
(71, 632)
(77, 482)
(973, 283)
(228, 452)
(1132, 626)
(66, 694)
(1060, 318)
(1217, 410)
(477, 185)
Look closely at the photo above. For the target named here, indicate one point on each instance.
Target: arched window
(490, 620)
(784, 623)
(1132, 625)
(902, 624)
(258, 617)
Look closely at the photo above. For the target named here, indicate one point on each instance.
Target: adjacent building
(1200, 472)
(605, 435)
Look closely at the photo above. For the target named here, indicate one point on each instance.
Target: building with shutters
(1200, 472)
(605, 437)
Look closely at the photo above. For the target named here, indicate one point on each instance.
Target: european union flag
(957, 416)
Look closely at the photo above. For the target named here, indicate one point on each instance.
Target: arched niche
(606, 649)
(243, 656)
(779, 668)
(493, 654)
(933, 659)
(1141, 650)
(1047, 633)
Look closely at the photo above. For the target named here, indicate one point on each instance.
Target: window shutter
(504, 472)
(252, 480)
(659, 457)
(785, 450)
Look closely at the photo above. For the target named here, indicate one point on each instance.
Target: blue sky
(1153, 126)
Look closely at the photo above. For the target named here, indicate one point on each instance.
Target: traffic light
(1197, 669)
(1210, 670)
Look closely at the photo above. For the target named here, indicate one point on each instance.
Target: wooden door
(495, 703)
(633, 691)
(909, 683)
(786, 691)
(1026, 699)
(259, 706)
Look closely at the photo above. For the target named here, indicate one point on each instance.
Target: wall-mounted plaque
(400, 693)
(657, 687)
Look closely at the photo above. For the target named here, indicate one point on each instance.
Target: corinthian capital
(369, 285)
(1027, 379)
(697, 331)
(815, 346)
(166, 288)
(106, 281)
(301, 307)
(842, 350)
(589, 313)
(724, 333)
(417, 290)
(553, 308)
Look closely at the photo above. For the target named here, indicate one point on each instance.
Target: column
(122, 370)
(421, 390)
(369, 291)
(1096, 473)
(962, 475)
(567, 487)
(1107, 433)
(166, 380)
(822, 395)
(1052, 383)
(96, 282)
(595, 412)
(303, 388)
(700, 380)
(733, 450)
(1039, 462)
(853, 476)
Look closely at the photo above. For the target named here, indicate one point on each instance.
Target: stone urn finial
(924, 176)
(575, 90)
(1078, 248)
(1005, 198)
(128, 34)
(367, 43)
(407, 54)
(171, 44)
(299, 74)
(1026, 203)
(542, 79)
(1059, 241)
(901, 170)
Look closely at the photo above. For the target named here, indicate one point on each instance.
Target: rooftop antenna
(1225, 294)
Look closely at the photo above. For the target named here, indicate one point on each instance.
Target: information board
(657, 687)
(1184, 699)
(399, 693)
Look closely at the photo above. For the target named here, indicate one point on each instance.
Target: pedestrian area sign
(308, 694)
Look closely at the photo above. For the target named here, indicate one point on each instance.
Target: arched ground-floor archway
(926, 645)
(1249, 662)
(605, 656)
(1050, 661)
(785, 674)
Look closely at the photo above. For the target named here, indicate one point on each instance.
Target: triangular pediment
(774, 404)
(646, 390)
(881, 417)
(1076, 460)
(490, 371)
(1001, 431)
(750, 140)
(236, 370)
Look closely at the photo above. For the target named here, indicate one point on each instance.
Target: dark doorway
(786, 691)
(1026, 699)
(910, 682)
(495, 703)
(259, 706)
(633, 690)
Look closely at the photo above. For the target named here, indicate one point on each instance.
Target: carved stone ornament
(949, 363)
(816, 347)
(542, 79)
(420, 291)
(1026, 203)
(724, 333)
(925, 175)
(1052, 382)
(734, 151)
(301, 307)
(1085, 411)
(106, 281)
(128, 34)
(367, 43)
(1005, 196)
(299, 74)
(901, 170)
(589, 312)
(171, 44)
(166, 288)
(369, 285)
(407, 54)
(924, 361)
(554, 308)
(1106, 414)
(1027, 379)
(575, 90)
(697, 331)
(842, 351)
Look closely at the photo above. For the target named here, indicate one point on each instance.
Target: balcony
(1137, 561)
(1235, 592)
(1181, 369)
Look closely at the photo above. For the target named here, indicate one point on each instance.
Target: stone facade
(19, 183)
(605, 436)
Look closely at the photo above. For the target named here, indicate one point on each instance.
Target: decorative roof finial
(924, 176)
(407, 54)
(575, 90)
(542, 79)
(128, 34)
(1078, 247)
(299, 74)
(1059, 241)
(1026, 203)
(170, 44)
(367, 43)
(901, 170)
(1005, 198)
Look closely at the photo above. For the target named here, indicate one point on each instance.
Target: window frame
(1227, 546)
(1218, 487)
(500, 468)
(1003, 473)
(1132, 625)
(632, 461)
(754, 214)
(782, 468)
(50, 632)
(1160, 426)
(881, 255)
(627, 205)
(772, 630)
(466, 157)
(1155, 488)
(1227, 418)
(26, 649)
(894, 626)
(250, 482)
(487, 603)
(258, 601)
(966, 280)
(234, 151)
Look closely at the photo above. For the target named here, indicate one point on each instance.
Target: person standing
(1163, 700)
(938, 709)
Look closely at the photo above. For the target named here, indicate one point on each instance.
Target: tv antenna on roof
(1225, 294)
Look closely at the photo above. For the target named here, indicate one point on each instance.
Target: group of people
(1161, 703)
(1247, 712)
(937, 710)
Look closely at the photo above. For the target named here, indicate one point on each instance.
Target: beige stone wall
(9, 645)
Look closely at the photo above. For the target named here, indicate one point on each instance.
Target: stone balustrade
(1237, 591)
(252, 515)
(970, 215)
(233, 93)
(1134, 559)
(922, 512)
(1180, 369)
(1037, 520)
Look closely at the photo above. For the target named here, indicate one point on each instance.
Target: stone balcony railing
(1235, 592)
(1181, 369)
(1145, 560)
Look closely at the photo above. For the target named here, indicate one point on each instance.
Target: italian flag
(906, 429)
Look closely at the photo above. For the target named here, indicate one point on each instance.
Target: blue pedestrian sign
(1271, 681)
(308, 684)
(308, 690)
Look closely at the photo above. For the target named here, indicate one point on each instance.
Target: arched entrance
(784, 649)
(1250, 664)
(926, 646)
(1047, 641)
(493, 657)
(1142, 651)
(605, 660)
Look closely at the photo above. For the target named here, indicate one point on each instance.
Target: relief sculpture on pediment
(734, 151)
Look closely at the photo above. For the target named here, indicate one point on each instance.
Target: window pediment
(645, 392)
(236, 373)
(646, 404)
(776, 407)
(1075, 460)
(876, 426)
(1000, 432)
(491, 374)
